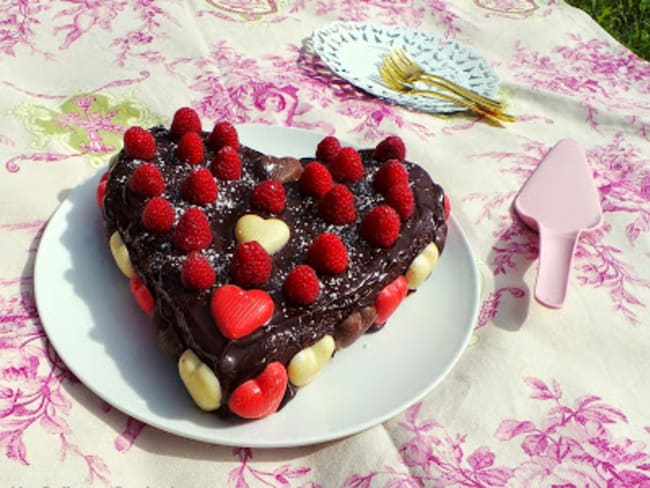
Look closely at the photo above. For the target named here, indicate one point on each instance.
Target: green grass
(626, 20)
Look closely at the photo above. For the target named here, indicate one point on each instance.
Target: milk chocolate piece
(167, 337)
(169, 342)
(284, 170)
(357, 323)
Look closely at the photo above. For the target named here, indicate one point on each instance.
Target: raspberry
(139, 143)
(380, 226)
(447, 204)
(347, 165)
(390, 148)
(147, 181)
(337, 206)
(392, 172)
(185, 120)
(400, 197)
(197, 272)
(327, 149)
(193, 231)
(223, 134)
(200, 187)
(158, 215)
(100, 192)
(251, 265)
(190, 148)
(269, 195)
(327, 254)
(315, 180)
(226, 164)
(301, 286)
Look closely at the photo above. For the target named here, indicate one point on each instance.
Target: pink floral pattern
(547, 438)
(575, 445)
(135, 44)
(283, 476)
(126, 439)
(238, 11)
(18, 26)
(593, 71)
(288, 95)
(491, 305)
(509, 7)
(31, 392)
(569, 446)
(408, 12)
(435, 457)
(85, 15)
(32, 395)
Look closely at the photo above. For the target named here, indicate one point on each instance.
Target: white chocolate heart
(421, 266)
(121, 255)
(305, 365)
(200, 381)
(272, 234)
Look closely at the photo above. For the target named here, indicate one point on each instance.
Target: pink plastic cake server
(559, 200)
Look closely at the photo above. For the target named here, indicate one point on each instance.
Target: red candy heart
(261, 396)
(239, 312)
(389, 299)
(447, 205)
(142, 295)
(101, 189)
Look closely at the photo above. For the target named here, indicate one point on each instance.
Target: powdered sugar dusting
(292, 327)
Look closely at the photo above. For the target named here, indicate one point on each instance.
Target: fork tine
(401, 63)
(413, 71)
(390, 75)
(407, 64)
(402, 55)
(392, 62)
(394, 80)
(399, 76)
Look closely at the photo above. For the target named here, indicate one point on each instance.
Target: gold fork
(399, 72)
(411, 71)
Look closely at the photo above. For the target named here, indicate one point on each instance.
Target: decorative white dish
(355, 51)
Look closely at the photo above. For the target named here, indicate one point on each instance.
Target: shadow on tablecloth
(510, 258)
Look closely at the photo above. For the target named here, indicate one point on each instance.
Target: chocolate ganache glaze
(183, 316)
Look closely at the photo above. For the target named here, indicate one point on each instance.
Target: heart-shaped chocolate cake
(254, 268)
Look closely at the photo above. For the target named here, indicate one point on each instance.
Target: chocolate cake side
(345, 306)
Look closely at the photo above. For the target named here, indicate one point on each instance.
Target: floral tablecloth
(541, 397)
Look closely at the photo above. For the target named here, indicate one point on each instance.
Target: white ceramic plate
(89, 316)
(354, 51)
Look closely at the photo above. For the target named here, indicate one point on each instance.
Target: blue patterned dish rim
(354, 51)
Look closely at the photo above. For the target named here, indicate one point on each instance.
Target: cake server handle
(555, 257)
